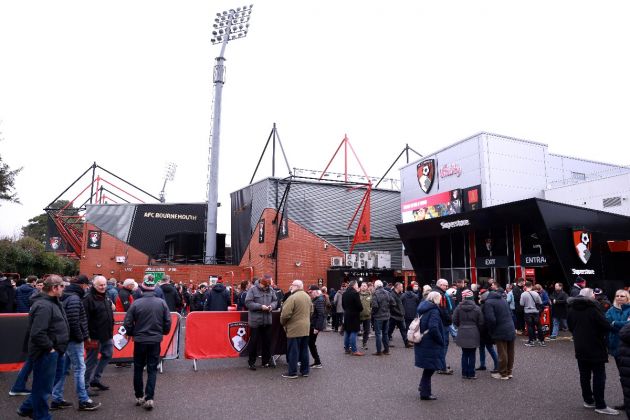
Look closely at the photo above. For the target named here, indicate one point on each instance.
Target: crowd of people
(72, 316)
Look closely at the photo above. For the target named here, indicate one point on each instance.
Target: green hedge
(28, 256)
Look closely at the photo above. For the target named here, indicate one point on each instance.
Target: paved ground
(545, 385)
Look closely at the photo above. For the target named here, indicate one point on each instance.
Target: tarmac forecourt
(545, 384)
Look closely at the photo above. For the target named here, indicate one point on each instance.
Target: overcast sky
(128, 84)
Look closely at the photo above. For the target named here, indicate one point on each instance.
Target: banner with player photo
(261, 231)
(284, 224)
(434, 206)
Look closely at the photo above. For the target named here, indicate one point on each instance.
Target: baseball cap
(313, 287)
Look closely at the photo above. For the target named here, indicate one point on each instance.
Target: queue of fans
(70, 316)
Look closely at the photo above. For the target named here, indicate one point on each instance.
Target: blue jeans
(74, 358)
(350, 341)
(297, 349)
(468, 362)
(44, 369)
(493, 354)
(381, 329)
(22, 378)
(94, 367)
(556, 325)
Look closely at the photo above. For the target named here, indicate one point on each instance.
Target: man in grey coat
(529, 301)
(261, 299)
(381, 303)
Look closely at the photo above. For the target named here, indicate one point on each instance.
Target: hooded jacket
(75, 313)
(429, 353)
(22, 296)
(47, 326)
(469, 320)
(255, 299)
(366, 301)
(7, 295)
(171, 297)
(618, 318)
(217, 298)
(100, 315)
(410, 301)
(498, 318)
(623, 361)
(590, 328)
(318, 317)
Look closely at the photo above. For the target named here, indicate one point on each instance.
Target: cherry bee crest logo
(426, 174)
(583, 241)
(238, 334)
(55, 241)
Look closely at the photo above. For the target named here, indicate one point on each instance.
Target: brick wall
(302, 255)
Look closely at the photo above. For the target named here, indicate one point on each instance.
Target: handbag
(413, 333)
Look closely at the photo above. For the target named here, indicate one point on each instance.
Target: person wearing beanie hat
(148, 284)
(147, 321)
(468, 319)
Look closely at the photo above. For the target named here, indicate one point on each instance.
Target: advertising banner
(434, 206)
(212, 335)
(123, 345)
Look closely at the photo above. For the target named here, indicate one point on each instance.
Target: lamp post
(228, 25)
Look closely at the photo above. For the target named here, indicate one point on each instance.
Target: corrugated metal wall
(326, 210)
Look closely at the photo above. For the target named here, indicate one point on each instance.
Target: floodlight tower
(169, 175)
(228, 25)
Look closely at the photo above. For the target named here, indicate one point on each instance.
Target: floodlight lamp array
(232, 24)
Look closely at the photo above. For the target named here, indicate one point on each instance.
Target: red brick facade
(302, 255)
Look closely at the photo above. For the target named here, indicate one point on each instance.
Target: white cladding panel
(465, 155)
(592, 194)
(516, 170)
(564, 170)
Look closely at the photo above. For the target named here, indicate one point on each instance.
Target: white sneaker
(587, 405)
(139, 401)
(148, 405)
(607, 410)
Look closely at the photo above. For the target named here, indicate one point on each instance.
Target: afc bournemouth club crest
(55, 242)
(426, 174)
(582, 241)
(94, 239)
(238, 333)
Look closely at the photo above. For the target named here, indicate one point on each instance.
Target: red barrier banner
(169, 348)
(212, 335)
(13, 329)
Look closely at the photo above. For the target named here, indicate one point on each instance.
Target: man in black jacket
(100, 315)
(171, 295)
(519, 311)
(147, 321)
(47, 342)
(352, 307)
(217, 298)
(559, 301)
(7, 295)
(397, 316)
(318, 323)
(198, 300)
(590, 329)
(78, 333)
